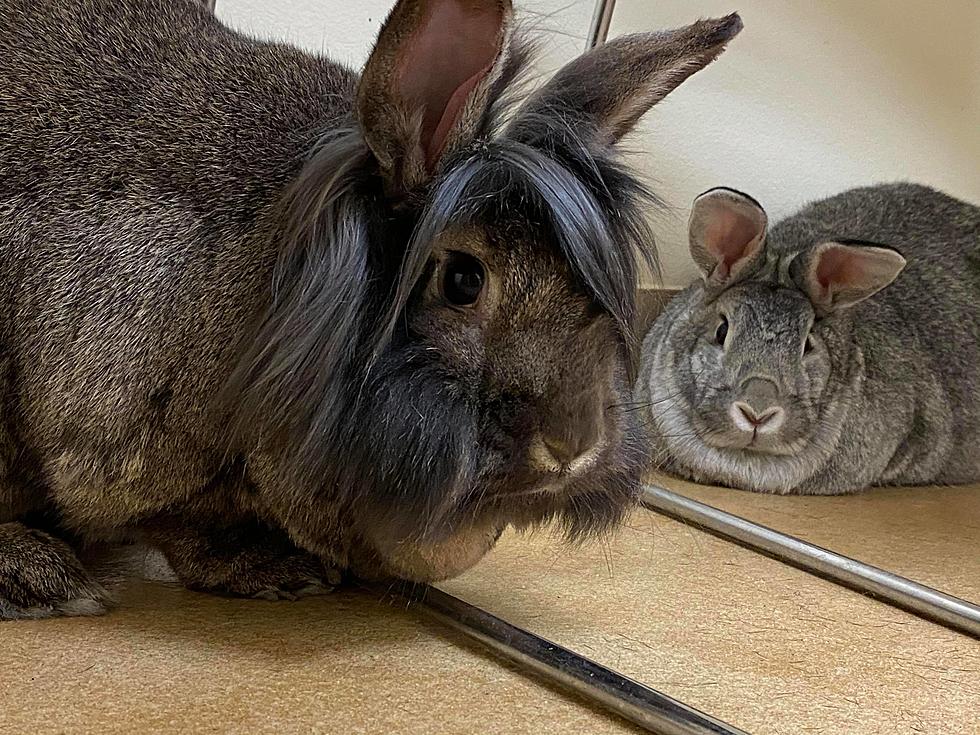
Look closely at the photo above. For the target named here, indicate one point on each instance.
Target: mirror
(927, 534)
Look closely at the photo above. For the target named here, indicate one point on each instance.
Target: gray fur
(889, 393)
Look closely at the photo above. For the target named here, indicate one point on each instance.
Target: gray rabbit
(284, 321)
(838, 350)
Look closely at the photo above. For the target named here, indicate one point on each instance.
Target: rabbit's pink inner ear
(836, 267)
(732, 239)
(451, 51)
(842, 275)
(452, 112)
(727, 232)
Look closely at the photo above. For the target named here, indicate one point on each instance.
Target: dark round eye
(721, 334)
(808, 345)
(463, 280)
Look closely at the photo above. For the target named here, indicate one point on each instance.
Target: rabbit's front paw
(247, 560)
(288, 577)
(296, 588)
(40, 577)
(252, 574)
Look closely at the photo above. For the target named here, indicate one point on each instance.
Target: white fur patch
(771, 420)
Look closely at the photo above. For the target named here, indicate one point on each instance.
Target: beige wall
(814, 96)
(345, 29)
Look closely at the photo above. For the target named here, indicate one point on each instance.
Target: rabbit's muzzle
(757, 411)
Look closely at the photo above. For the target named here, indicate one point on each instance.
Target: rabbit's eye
(721, 334)
(463, 280)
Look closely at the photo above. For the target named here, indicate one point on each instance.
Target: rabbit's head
(450, 336)
(763, 344)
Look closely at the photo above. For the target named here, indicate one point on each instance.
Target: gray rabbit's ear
(426, 86)
(727, 232)
(835, 275)
(604, 92)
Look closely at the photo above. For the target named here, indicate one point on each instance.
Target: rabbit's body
(281, 320)
(889, 391)
(139, 172)
(134, 201)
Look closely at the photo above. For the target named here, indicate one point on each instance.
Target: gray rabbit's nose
(751, 418)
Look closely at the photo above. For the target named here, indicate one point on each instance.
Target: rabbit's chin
(433, 561)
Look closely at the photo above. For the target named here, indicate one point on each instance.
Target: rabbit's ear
(727, 232)
(835, 275)
(426, 85)
(607, 90)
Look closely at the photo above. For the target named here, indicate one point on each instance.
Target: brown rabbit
(284, 321)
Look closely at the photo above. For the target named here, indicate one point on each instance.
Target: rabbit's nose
(571, 432)
(565, 450)
(748, 418)
(568, 449)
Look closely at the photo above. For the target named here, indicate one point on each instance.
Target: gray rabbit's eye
(463, 280)
(721, 334)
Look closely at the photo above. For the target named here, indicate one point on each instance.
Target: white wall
(813, 96)
(341, 29)
(345, 29)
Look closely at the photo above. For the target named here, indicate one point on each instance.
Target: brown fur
(223, 319)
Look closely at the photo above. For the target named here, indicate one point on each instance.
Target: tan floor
(171, 661)
(931, 535)
(759, 644)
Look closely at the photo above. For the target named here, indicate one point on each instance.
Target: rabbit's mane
(339, 292)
